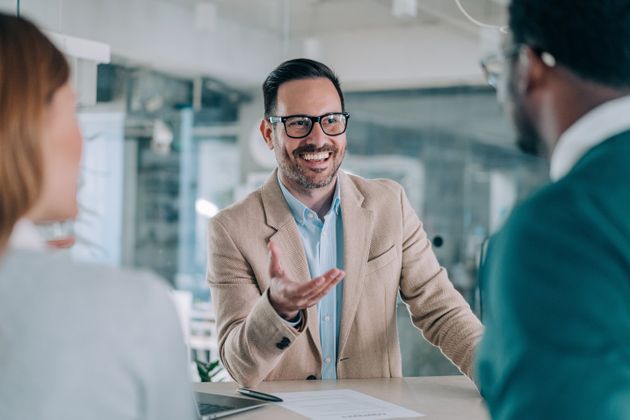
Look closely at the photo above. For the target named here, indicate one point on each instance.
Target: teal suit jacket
(557, 297)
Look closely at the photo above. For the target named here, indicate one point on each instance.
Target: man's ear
(266, 131)
(533, 70)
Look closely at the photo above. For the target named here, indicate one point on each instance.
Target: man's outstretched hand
(288, 296)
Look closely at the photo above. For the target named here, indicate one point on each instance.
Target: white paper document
(342, 404)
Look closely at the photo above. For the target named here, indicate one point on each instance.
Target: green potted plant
(208, 370)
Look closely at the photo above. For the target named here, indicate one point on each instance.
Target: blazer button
(283, 344)
(311, 377)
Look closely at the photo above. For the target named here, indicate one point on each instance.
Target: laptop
(214, 406)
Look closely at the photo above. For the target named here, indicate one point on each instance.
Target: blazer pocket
(381, 261)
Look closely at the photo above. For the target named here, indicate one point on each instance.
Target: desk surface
(438, 397)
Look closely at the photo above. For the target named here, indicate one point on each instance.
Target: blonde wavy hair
(32, 69)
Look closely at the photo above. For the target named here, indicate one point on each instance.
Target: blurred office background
(170, 120)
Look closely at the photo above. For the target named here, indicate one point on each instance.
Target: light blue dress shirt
(323, 245)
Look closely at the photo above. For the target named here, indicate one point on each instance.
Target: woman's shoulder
(51, 274)
(74, 322)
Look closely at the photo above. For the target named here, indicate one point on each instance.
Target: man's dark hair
(297, 69)
(589, 37)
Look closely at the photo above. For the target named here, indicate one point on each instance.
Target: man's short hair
(297, 69)
(589, 37)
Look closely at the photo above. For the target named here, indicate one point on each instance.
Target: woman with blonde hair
(77, 341)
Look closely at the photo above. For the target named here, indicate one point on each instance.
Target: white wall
(163, 35)
(394, 58)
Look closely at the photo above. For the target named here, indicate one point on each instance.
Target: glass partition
(173, 136)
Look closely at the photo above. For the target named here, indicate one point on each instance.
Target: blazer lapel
(288, 239)
(357, 230)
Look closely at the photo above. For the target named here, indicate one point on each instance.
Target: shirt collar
(300, 211)
(26, 237)
(598, 125)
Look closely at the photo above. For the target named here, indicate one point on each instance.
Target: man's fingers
(330, 281)
(321, 285)
(308, 287)
(335, 274)
(304, 295)
(314, 299)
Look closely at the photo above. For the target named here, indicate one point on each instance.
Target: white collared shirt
(323, 247)
(601, 123)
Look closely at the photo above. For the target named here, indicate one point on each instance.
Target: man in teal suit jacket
(557, 278)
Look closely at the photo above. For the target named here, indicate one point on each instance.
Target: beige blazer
(386, 251)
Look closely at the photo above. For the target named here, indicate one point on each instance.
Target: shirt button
(327, 360)
(327, 318)
(309, 215)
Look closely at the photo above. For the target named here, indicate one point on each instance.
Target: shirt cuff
(295, 322)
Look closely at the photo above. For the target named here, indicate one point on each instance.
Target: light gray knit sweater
(81, 341)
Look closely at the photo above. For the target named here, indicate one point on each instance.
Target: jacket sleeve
(436, 308)
(252, 336)
(557, 343)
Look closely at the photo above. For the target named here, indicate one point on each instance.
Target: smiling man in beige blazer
(305, 271)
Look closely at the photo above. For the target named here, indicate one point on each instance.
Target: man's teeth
(315, 156)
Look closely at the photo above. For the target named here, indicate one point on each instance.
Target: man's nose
(317, 136)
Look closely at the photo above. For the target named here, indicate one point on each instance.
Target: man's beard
(528, 140)
(295, 173)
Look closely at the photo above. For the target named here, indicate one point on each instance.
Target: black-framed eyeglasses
(493, 65)
(300, 126)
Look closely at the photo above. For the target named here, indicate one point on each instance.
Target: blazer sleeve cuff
(272, 332)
